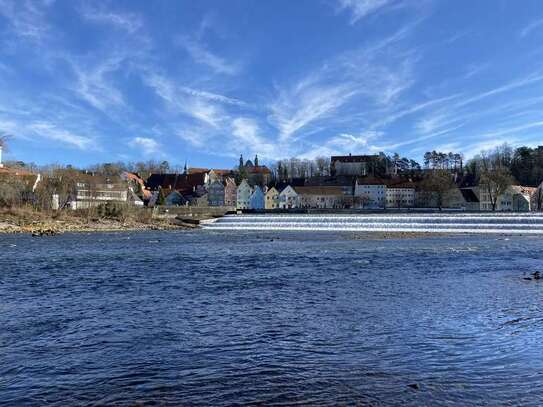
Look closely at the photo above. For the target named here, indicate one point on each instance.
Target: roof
(260, 169)
(197, 170)
(370, 181)
(519, 189)
(354, 158)
(469, 195)
(132, 176)
(326, 190)
(339, 180)
(14, 171)
(222, 172)
(176, 181)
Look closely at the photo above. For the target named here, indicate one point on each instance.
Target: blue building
(257, 200)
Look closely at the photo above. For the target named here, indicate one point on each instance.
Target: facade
(370, 193)
(219, 175)
(272, 199)
(92, 191)
(321, 197)
(230, 192)
(516, 198)
(257, 199)
(537, 198)
(256, 174)
(174, 198)
(244, 192)
(461, 198)
(400, 196)
(288, 198)
(215, 195)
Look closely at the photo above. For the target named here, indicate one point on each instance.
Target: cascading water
(492, 223)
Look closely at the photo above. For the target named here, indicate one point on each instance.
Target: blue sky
(83, 82)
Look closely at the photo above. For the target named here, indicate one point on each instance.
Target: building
(516, 198)
(400, 195)
(257, 199)
(215, 193)
(272, 199)
(137, 193)
(370, 193)
(199, 197)
(461, 198)
(523, 198)
(230, 192)
(537, 198)
(94, 190)
(359, 165)
(219, 175)
(244, 192)
(321, 197)
(186, 183)
(288, 198)
(174, 198)
(256, 174)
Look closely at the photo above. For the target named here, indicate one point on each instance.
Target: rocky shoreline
(49, 226)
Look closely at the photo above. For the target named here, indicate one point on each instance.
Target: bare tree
(495, 177)
(437, 183)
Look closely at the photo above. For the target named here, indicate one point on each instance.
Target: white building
(321, 197)
(370, 193)
(288, 198)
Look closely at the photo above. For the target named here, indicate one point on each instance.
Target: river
(215, 317)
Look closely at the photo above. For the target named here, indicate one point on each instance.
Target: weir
(479, 223)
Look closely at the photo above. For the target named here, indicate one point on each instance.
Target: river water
(216, 317)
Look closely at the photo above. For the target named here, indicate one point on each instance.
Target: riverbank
(45, 223)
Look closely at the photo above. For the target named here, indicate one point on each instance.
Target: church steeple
(256, 160)
(185, 168)
(241, 161)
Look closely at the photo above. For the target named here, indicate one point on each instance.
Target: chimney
(1, 165)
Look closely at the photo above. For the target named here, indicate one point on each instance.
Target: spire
(241, 161)
(185, 168)
(256, 160)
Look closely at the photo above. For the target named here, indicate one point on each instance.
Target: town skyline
(85, 83)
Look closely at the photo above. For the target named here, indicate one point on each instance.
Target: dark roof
(469, 195)
(325, 190)
(340, 180)
(260, 169)
(175, 181)
(466, 180)
(354, 158)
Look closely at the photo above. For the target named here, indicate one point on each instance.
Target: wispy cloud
(247, 135)
(201, 55)
(26, 19)
(52, 132)
(372, 77)
(534, 25)
(129, 22)
(362, 8)
(148, 145)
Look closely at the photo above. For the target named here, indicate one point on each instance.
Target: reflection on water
(222, 318)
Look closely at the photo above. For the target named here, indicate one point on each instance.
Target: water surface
(229, 318)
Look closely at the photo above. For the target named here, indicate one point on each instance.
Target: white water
(491, 223)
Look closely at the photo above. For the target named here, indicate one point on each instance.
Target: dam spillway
(480, 223)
